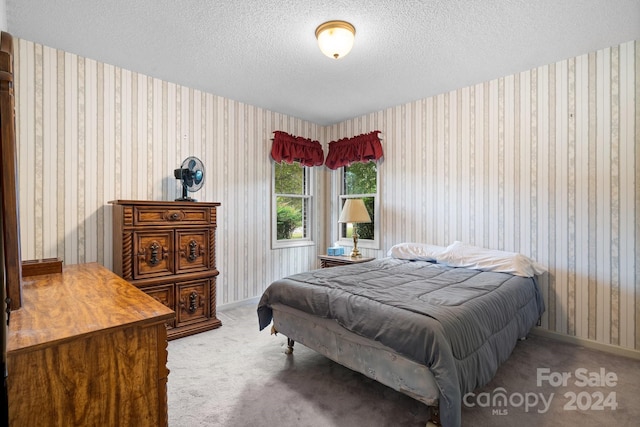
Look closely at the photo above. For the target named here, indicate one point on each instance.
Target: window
(292, 203)
(360, 180)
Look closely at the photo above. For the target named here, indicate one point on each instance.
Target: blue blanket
(461, 323)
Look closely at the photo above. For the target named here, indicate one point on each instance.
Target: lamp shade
(335, 38)
(354, 211)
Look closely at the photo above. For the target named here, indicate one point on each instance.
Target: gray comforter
(461, 323)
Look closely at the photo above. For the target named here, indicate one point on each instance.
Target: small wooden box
(37, 267)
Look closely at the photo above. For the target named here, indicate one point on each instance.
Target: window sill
(280, 244)
(368, 244)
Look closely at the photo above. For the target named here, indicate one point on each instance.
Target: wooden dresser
(87, 348)
(81, 347)
(168, 250)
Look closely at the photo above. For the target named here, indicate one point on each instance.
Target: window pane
(360, 178)
(289, 178)
(291, 205)
(291, 217)
(365, 231)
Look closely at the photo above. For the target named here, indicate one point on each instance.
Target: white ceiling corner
(264, 53)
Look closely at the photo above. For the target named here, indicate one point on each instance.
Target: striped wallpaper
(89, 132)
(543, 162)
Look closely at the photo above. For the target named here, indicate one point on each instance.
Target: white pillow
(459, 254)
(415, 251)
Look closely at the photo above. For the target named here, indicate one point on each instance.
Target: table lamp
(354, 211)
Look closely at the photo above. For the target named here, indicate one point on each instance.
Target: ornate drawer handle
(153, 260)
(174, 215)
(193, 252)
(193, 245)
(193, 303)
(193, 297)
(154, 254)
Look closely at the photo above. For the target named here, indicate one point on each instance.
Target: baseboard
(236, 304)
(608, 348)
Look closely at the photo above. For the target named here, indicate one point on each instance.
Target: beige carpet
(237, 376)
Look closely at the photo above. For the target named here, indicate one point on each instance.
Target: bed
(431, 322)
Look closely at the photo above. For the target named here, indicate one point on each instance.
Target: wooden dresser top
(163, 203)
(83, 299)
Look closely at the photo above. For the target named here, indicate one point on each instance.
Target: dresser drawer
(153, 254)
(193, 302)
(162, 215)
(192, 250)
(164, 294)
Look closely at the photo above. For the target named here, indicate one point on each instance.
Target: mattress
(368, 357)
(459, 323)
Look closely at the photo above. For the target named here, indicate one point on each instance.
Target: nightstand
(333, 261)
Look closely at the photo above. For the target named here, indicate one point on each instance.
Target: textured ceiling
(264, 52)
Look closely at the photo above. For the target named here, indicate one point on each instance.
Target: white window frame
(362, 243)
(309, 190)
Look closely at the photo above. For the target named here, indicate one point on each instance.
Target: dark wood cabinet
(168, 250)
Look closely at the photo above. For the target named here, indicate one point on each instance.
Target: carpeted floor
(239, 377)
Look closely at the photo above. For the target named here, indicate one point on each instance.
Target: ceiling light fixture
(335, 38)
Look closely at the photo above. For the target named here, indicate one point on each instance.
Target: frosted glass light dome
(335, 38)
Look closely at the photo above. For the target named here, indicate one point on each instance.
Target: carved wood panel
(193, 301)
(193, 250)
(153, 254)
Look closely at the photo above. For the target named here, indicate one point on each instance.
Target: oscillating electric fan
(191, 173)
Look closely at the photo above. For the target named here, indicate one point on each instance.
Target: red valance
(291, 148)
(361, 148)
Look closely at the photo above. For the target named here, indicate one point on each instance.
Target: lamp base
(355, 253)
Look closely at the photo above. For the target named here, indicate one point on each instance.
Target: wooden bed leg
(290, 344)
(434, 420)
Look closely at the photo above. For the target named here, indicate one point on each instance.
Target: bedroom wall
(89, 132)
(545, 162)
(542, 162)
(3, 15)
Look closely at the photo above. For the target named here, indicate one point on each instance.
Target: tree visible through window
(360, 180)
(292, 202)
